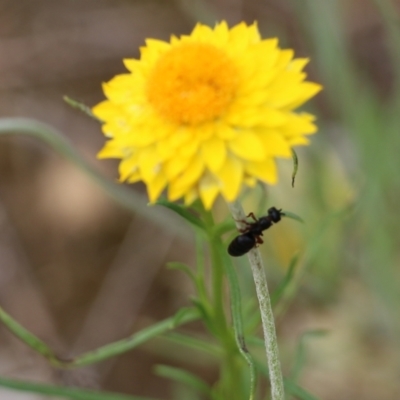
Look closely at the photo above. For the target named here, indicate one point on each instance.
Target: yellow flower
(206, 113)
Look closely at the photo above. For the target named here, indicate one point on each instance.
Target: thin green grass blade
(130, 200)
(64, 392)
(311, 253)
(27, 337)
(294, 216)
(300, 356)
(224, 227)
(183, 316)
(81, 107)
(194, 343)
(183, 212)
(253, 317)
(200, 270)
(295, 166)
(278, 293)
(391, 22)
(295, 390)
(205, 312)
(184, 268)
(255, 341)
(184, 377)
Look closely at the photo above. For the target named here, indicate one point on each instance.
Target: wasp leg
(244, 222)
(259, 239)
(251, 215)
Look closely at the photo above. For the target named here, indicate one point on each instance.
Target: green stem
(102, 353)
(230, 369)
(217, 272)
(200, 276)
(236, 310)
(267, 317)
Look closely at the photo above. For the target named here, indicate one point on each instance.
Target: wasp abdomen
(241, 244)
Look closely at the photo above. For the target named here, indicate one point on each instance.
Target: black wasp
(251, 235)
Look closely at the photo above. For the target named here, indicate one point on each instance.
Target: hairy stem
(267, 317)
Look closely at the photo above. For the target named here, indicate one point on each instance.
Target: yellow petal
(134, 177)
(231, 178)
(140, 137)
(248, 146)
(308, 90)
(265, 171)
(175, 166)
(298, 64)
(189, 149)
(131, 64)
(187, 178)
(105, 110)
(190, 196)
(149, 164)
(225, 131)
(208, 190)
(243, 116)
(156, 186)
(298, 141)
(110, 150)
(128, 167)
(250, 181)
(285, 57)
(121, 88)
(299, 125)
(201, 32)
(221, 32)
(275, 144)
(213, 152)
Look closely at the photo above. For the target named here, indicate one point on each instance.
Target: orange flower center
(192, 83)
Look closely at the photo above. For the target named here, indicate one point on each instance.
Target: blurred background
(80, 271)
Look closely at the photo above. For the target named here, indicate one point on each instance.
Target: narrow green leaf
(183, 212)
(194, 343)
(184, 268)
(224, 227)
(390, 17)
(80, 106)
(256, 341)
(279, 291)
(294, 216)
(27, 337)
(253, 317)
(300, 356)
(64, 392)
(129, 199)
(236, 309)
(200, 269)
(295, 390)
(295, 166)
(184, 377)
(183, 316)
(204, 311)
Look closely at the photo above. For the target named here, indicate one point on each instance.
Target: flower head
(206, 113)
